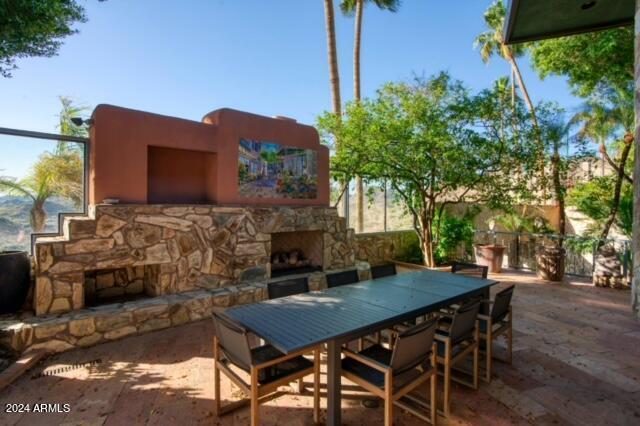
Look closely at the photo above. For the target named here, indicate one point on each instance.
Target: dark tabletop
(304, 320)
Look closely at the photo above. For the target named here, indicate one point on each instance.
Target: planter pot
(15, 270)
(550, 263)
(489, 255)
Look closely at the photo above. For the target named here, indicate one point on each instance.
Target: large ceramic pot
(490, 255)
(14, 280)
(550, 262)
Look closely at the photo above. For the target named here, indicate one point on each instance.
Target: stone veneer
(182, 248)
(90, 326)
(378, 248)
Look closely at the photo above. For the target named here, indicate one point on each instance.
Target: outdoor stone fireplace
(179, 206)
(156, 250)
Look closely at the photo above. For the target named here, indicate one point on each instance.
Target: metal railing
(28, 134)
(580, 257)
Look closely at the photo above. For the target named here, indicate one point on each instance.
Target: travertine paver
(576, 362)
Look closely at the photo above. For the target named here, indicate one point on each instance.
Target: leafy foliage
(35, 28)
(525, 222)
(453, 232)
(348, 7)
(490, 42)
(595, 200)
(434, 144)
(603, 58)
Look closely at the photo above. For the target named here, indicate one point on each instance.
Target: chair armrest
(285, 358)
(439, 338)
(365, 360)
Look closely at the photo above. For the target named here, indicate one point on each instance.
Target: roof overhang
(531, 20)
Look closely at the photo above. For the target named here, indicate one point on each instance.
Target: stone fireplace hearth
(180, 248)
(296, 252)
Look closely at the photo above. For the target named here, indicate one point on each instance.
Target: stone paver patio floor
(576, 361)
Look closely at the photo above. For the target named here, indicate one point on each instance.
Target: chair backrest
(464, 320)
(342, 278)
(413, 346)
(501, 304)
(233, 340)
(287, 288)
(383, 270)
(470, 269)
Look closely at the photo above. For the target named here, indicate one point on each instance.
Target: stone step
(78, 227)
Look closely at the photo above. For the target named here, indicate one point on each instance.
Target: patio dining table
(341, 314)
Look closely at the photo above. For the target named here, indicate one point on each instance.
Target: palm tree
(58, 173)
(599, 120)
(39, 186)
(490, 43)
(349, 8)
(334, 79)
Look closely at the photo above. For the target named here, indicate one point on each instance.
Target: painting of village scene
(270, 170)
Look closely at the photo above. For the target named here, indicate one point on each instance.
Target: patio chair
(287, 288)
(381, 271)
(470, 269)
(393, 374)
(498, 322)
(457, 338)
(342, 278)
(267, 368)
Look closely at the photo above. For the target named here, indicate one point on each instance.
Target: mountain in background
(15, 232)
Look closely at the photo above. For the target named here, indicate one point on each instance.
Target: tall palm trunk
(558, 191)
(523, 89)
(334, 74)
(356, 94)
(534, 119)
(334, 79)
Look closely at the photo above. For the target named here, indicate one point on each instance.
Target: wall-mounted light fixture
(79, 121)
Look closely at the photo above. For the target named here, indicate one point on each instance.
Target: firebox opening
(296, 252)
(106, 286)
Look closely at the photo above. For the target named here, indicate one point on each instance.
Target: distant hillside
(14, 220)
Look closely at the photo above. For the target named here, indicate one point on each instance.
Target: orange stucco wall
(206, 167)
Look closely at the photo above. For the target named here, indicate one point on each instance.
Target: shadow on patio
(575, 362)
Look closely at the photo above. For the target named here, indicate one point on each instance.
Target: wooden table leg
(333, 383)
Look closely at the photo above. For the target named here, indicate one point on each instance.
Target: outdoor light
(79, 121)
(588, 5)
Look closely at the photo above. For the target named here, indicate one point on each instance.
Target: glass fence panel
(39, 179)
(398, 218)
(580, 252)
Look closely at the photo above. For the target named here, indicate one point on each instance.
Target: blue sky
(268, 57)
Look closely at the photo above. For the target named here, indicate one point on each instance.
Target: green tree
(594, 198)
(351, 8)
(608, 118)
(434, 144)
(589, 61)
(58, 173)
(491, 43)
(35, 28)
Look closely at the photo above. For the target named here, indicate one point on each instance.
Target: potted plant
(15, 271)
(550, 262)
